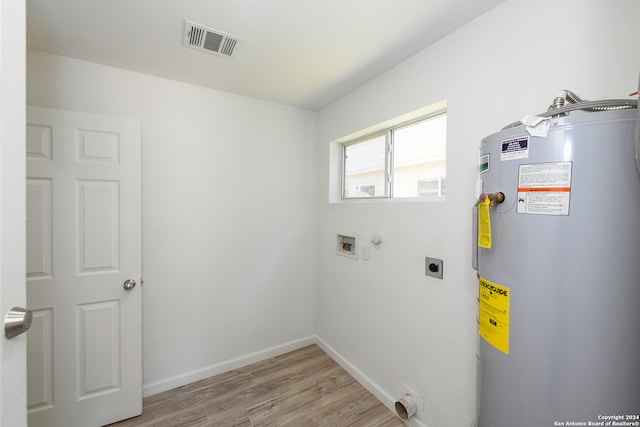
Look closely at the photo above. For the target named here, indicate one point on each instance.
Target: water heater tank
(559, 294)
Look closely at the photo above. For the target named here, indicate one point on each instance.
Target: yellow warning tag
(484, 224)
(494, 314)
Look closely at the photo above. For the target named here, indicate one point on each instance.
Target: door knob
(17, 321)
(129, 284)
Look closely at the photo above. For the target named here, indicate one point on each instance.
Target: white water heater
(557, 250)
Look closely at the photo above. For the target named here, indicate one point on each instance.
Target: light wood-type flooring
(303, 388)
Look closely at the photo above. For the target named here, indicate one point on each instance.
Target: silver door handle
(17, 321)
(129, 284)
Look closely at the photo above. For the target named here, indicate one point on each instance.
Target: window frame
(387, 160)
(388, 133)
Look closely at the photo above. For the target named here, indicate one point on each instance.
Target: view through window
(407, 161)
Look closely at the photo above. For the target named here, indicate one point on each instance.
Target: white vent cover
(210, 40)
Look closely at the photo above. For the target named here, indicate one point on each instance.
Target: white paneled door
(12, 293)
(83, 254)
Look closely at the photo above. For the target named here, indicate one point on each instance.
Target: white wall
(229, 220)
(231, 259)
(384, 316)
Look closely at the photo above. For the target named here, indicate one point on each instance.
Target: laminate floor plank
(302, 388)
(308, 363)
(195, 417)
(329, 407)
(232, 418)
(259, 393)
(279, 409)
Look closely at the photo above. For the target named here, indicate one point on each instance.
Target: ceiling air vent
(209, 40)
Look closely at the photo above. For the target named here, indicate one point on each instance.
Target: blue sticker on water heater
(516, 148)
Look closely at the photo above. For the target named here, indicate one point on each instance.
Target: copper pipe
(495, 198)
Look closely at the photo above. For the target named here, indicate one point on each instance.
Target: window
(405, 161)
(365, 168)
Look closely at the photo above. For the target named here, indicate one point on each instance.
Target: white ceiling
(301, 53)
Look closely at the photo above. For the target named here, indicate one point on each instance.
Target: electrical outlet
(433, 267)
(364, 252)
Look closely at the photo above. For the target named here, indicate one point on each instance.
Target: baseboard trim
(381, 394)
(238, 362)
(219, 368)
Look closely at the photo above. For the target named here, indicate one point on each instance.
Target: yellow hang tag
(484, 224)
(494, 314)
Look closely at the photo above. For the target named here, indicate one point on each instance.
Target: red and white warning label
(544, 188)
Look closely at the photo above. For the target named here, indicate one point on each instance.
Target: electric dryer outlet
(434, 267)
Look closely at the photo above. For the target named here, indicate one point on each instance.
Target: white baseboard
(219, 368)
(209, 371)
(381, 394)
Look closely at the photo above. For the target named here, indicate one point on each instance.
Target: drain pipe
(406, 407)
